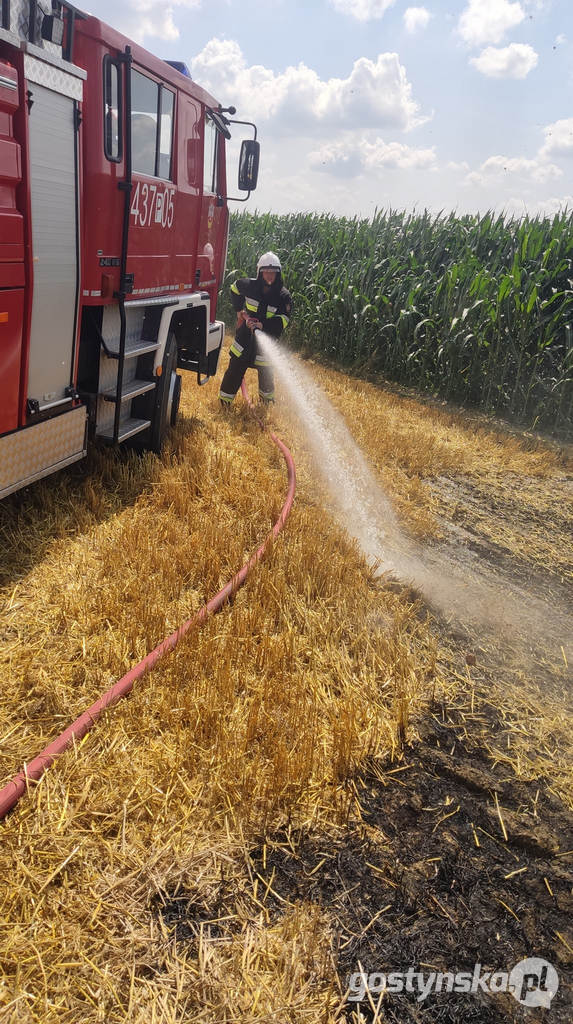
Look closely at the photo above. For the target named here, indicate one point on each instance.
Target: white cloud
(513, 61)
(487, 21)
(538, 5)
(498, 168)
(362, 10)
(501, 173)
(541, 207)
(549, 207)
(351, 156)
(558, 139)
(219, 65)
(140, 19)
(416, 18)
(342, 159)
(376, 94)
(398, 155)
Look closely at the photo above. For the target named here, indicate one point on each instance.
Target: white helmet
(269, 261)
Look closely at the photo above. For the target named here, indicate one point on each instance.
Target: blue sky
(365, 104)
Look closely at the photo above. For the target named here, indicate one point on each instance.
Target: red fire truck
(113, 237)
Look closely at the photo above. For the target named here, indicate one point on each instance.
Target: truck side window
(144, 106)
(152, 107)
(210, 156)
(112, 134)
(166, 133)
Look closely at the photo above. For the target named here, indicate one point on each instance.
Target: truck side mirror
(249, 165)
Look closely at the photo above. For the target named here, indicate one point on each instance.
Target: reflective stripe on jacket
(272, 306)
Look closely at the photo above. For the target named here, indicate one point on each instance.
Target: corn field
(475, 309)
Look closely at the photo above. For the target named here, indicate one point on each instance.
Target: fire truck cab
(113, 237)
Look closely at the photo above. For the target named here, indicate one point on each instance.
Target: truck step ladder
(127, 428)
(116, 392)
(130, 390)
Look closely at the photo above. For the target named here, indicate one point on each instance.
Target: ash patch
(429, 881)
(446, 863)
(186, 913)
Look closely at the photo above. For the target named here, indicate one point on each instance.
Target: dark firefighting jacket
(272, 306)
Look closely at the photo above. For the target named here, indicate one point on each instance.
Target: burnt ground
(428, 880)
(449, 859)
(451, 864)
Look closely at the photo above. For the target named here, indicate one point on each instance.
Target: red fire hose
(33, 771)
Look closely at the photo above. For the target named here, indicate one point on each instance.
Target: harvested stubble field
(329, 775)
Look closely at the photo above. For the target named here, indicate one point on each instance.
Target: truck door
(53, 96)
(214, 214)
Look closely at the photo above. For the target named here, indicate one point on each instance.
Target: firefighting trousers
(245, 354)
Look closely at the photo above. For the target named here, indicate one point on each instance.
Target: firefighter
(261, 303)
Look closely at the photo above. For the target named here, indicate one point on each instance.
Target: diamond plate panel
(30, 454)
(51, 77)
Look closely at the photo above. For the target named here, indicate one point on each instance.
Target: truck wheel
(167, 395)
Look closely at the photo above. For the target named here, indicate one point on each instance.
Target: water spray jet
(364, 510)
